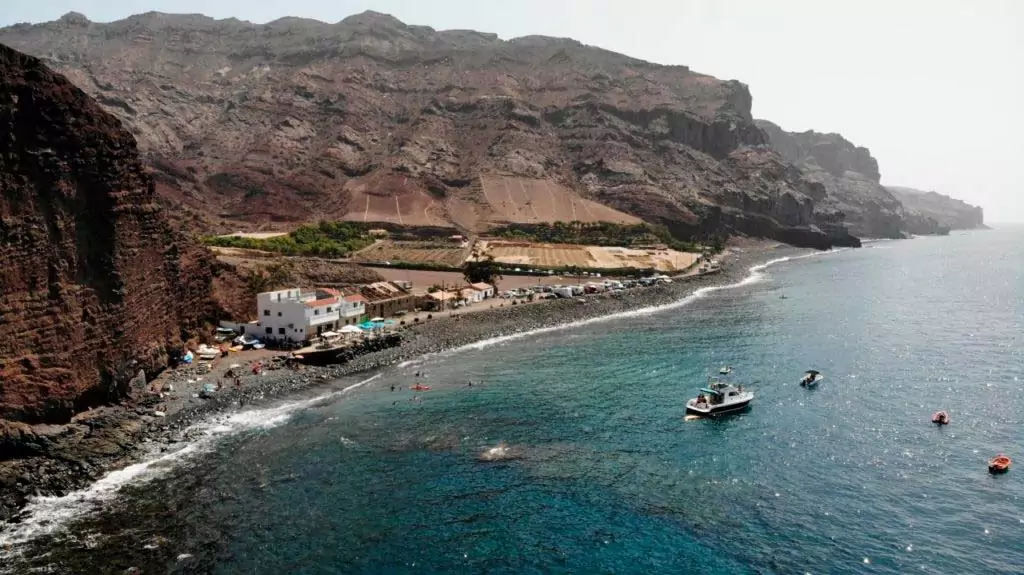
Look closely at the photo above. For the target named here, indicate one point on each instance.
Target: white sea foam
(46, 515)
(756, 275)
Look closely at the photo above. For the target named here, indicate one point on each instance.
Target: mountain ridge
(272, 125)
(264, 126)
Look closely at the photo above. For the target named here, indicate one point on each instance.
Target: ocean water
(607, 475)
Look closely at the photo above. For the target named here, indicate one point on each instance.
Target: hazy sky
(935, 88)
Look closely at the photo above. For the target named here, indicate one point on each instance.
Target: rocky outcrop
(947, 213)
(850, 177)
(298, 119)
(96, 284)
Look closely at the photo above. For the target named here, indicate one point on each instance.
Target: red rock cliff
(95, 283)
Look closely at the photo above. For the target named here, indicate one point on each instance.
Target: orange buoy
(999, 464)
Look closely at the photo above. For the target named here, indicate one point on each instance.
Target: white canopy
(377, 319)
(351, 329)
(330, 334)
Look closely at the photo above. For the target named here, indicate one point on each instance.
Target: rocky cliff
(851, 179)
(947, 212)
(371, 119)
(96, 285)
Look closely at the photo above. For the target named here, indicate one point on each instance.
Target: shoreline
(74, 456)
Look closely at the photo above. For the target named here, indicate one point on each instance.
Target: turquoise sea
(608, 476)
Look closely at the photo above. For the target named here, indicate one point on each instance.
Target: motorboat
(811, 378)
(940, 417)
(719, 397)
(726, 370)
(999, 464)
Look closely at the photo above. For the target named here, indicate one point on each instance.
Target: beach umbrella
(351, 329)
(375, 319)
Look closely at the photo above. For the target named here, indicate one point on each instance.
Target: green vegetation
(267, 278)
(484, 270)
(595, 234)
(326, 239)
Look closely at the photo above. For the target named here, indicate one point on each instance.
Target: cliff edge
(949, 212)
(96, 284)
(850, 176)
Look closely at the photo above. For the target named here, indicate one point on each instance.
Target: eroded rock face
(946, 212)
(96, 285)
(850, 178)
(283, 122)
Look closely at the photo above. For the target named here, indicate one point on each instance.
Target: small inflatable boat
(420, 387)
(999, 464)
(940, 417)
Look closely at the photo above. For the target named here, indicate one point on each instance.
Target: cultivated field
(441, 253)
(254, 235)
(526, 201)
(563, 255)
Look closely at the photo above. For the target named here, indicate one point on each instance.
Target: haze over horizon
(931, 88)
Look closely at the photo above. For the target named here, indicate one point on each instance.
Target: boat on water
(940, 417)
(999, 464)
(420, 387)
(719, 397)
(811, 378)
(726, 370)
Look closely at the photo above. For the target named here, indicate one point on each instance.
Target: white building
(298, 315)
(487, 290)
(353, 309)
(471, 295)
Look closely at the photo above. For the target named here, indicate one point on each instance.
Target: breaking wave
(47, 515)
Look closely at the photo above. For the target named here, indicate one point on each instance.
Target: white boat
(726, 370)
(719, 397)
(811, 378)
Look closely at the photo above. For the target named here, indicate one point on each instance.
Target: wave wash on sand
(48, 515)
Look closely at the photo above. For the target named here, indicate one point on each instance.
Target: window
(266, 312)
(278, 314)
(328, 310)
(316, 312)
(281, 330)
(270, 330)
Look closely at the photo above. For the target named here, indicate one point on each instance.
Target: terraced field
(394, 199)
(599, 257)
(438, 253)
(527, 201)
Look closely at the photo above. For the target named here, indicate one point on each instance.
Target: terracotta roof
(481, 286)
(330, 291)
(354, 298)
(440, 295)
(322, 302)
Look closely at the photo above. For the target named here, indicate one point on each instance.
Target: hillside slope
(950, 213)
(298, 120)
(96, 285)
